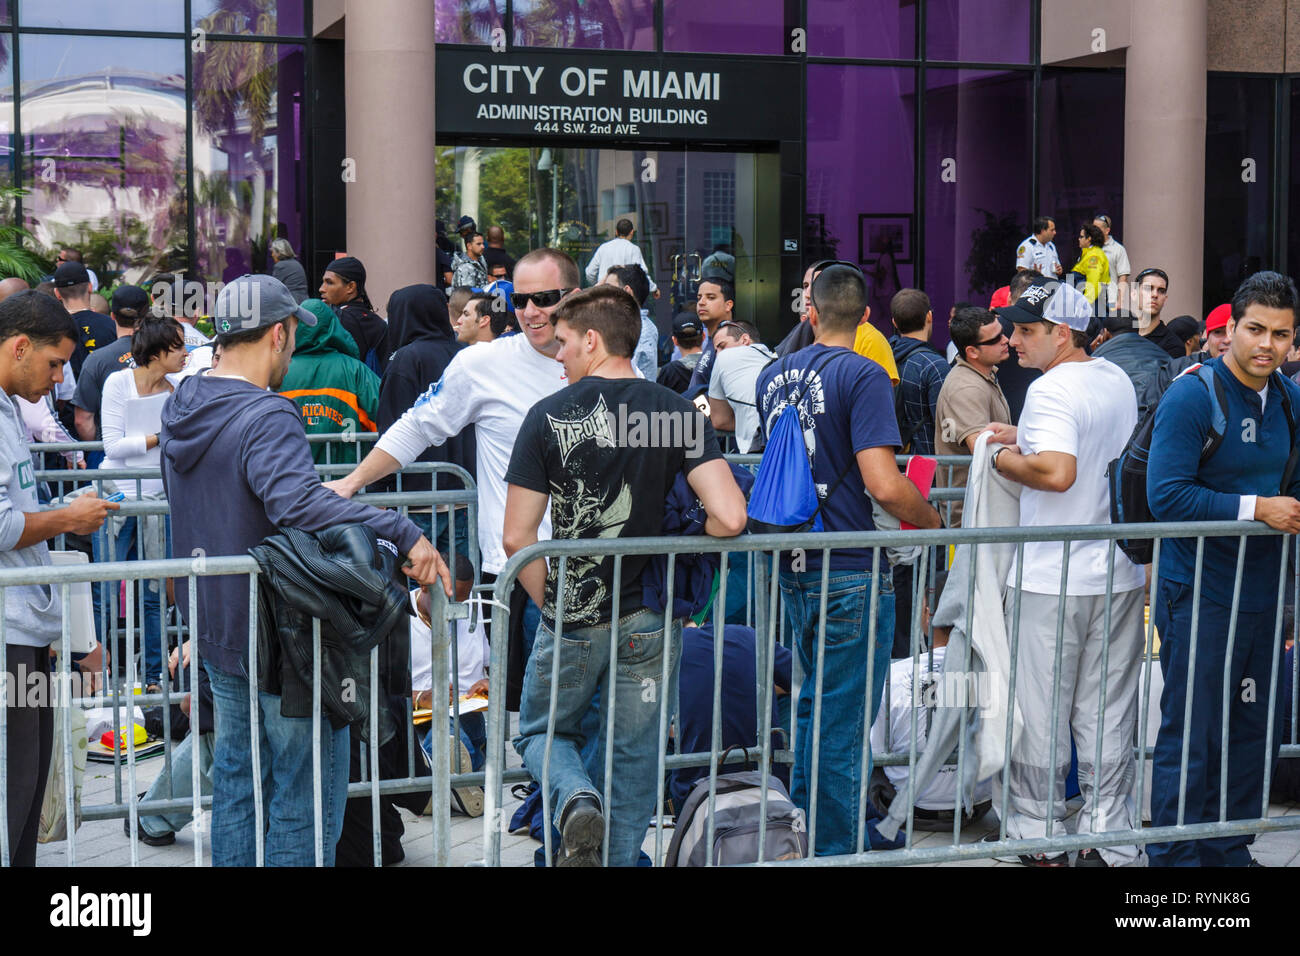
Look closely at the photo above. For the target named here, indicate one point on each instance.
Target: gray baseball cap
(254, 301)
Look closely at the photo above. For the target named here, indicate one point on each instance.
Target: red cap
(1000, 298)
(1218, 317)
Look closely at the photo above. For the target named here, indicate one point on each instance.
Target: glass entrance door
(695, 213)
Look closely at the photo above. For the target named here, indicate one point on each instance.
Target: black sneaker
(581, 833)
(1090, 858)
(167, 839)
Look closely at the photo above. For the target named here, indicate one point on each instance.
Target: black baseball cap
(69, 274)
(130, 302)
(1048, 299)
(687, 323)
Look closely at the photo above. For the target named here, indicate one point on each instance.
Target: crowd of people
(520, 375)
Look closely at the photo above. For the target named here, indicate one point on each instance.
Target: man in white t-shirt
(1077, 417)
(490, 385)
(741, 355)
(619, 251)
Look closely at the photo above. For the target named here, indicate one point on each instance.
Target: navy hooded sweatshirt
(237, 467)
(422, 345)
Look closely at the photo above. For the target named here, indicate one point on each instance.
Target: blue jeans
(585, 670)
(473, 734)
(1252, 658)
(124, 549)
(179, 784)
(844, 681)
(286, 764)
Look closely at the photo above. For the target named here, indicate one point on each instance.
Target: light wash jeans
(844, 686)
(179, 785)
(287, 774)
(585, 671)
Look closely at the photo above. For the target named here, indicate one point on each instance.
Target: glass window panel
(882, 29)
(6, 14)
(978, 31)
(1238, 195)
(104, 134)
(595, 24)
(467, 21)
(250, 17)
(1081, 154)
(724, 26)
(248, 155)
(159, 15)
(977, 167)
(861, 158)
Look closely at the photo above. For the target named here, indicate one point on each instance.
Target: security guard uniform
(1040, 256)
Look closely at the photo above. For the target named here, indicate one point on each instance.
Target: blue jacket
(236, 466)
(1250, 461)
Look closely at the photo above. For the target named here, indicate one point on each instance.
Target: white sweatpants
(1108, 790)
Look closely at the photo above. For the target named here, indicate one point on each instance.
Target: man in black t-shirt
(72, 288)
(604, 452)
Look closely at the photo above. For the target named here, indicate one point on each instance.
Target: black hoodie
(368, 330)
(423, 344)
(236, 467)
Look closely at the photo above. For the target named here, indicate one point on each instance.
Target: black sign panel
(623, 96)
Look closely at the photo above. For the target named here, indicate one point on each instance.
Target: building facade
(916, 138)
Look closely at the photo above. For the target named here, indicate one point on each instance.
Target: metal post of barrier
(819, 669)
(715, 735)
(494, 820)
(1191, 670)
(373, 746)
(765, 638)
(868, 715)
(612, 685)
(64, 700)
(558, 636)
(440, 757)
(196, 714)
(1056, 688)
(663, 705)
(1014, 652)
(1105, 682)
(1148, 644)
(964, 702)
(317, 802)
(1227, 678)
(127, 729)
(1272, 687)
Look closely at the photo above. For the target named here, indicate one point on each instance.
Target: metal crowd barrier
(62, 686)
(770, 629)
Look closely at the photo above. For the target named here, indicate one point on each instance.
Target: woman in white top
(158, 348)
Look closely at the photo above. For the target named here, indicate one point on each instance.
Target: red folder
(920, 471)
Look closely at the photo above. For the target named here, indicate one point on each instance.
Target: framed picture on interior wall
(880, 234)
(656, 219)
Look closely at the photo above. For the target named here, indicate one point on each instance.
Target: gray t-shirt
(102, 363)
(735, 375)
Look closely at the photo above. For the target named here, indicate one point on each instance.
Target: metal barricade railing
(61, 691)
(771, 626)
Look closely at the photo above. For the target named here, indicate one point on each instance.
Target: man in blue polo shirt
(1241, 480)
(845, 406)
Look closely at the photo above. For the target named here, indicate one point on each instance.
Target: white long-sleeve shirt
(617, 252)
(42, 426)
(491, 386)
(119, 446)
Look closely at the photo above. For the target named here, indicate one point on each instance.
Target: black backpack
(1127, 474)
(902, 351)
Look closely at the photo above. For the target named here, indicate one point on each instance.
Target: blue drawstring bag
(784, 496)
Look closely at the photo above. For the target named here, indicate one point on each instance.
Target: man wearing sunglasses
(491, 385)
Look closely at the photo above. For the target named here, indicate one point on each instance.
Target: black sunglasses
(543, 300)
(993, 341)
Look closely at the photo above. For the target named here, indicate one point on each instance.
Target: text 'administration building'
(917, 138)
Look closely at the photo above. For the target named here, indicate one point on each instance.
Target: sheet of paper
(143, 416)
